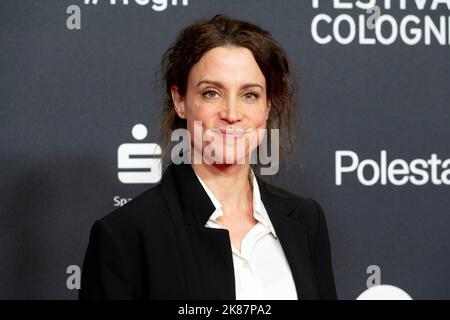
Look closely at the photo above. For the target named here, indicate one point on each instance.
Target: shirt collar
(259, 211)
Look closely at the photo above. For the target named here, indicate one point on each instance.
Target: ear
(178, 102)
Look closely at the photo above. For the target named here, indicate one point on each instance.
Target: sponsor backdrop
(79, 98)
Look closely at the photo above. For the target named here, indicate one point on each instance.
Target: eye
(210, 94)
(251, 95)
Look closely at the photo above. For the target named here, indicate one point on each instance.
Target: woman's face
(226, 91)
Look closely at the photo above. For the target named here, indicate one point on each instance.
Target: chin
(226, 159)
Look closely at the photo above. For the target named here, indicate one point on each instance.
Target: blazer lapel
(205, 252)
(293, 237)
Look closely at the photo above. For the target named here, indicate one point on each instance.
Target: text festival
(412, 22)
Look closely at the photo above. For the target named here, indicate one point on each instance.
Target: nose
(230, 111)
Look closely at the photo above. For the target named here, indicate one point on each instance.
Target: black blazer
(156, 246)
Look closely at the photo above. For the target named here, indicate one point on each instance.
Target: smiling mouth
(230, 133)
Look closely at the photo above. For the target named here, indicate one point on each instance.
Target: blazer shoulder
(143, 210)
(307, 210)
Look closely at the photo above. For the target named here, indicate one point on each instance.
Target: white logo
(118, 201)
(139, 159)
(73, 21)
(157, 5)
(397, 172)
(384, 292)
(377, 291)
(379, 26)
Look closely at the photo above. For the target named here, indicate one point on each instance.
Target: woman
(213, 229)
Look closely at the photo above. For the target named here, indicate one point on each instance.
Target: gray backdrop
(69, 99)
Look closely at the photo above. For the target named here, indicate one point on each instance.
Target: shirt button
(245, 264)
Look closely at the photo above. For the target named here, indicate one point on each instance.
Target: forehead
(229, 65)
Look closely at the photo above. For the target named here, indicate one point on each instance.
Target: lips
(231, 133)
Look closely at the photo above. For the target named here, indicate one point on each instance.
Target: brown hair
(196, 39)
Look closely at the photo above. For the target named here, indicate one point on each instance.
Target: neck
(229, 183)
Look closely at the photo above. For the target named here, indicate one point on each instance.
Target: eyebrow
(220, 85)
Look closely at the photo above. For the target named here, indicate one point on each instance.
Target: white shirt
(261, 270)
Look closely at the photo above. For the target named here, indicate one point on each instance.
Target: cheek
(196, 110)
(202, 114)
(258, 119)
